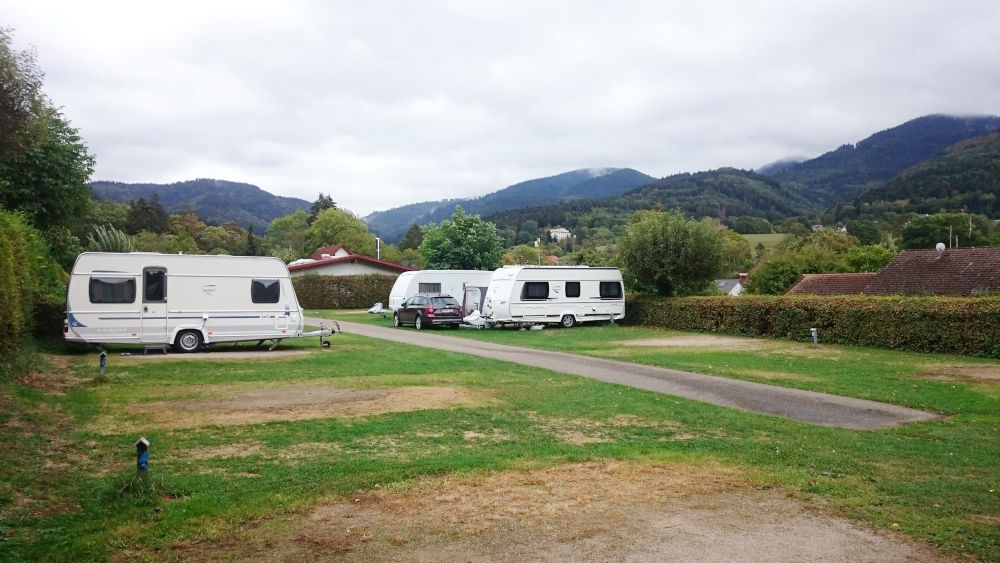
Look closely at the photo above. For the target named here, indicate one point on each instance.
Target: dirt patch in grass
(696, 341)
(976, 373)
(296, 402)
(606, 510)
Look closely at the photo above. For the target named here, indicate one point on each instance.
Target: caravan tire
(188, 341)
(418, 323)
(568, 321)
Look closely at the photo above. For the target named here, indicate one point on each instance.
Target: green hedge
(925, 324)
(343, 292)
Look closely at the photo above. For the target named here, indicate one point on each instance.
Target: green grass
(770, 241)
(67, 477)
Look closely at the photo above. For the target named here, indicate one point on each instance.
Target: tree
(22, 100)
(412, 239)
(865, 231)
(525, 254)
(147, 216)
(736, 253)
(44, 165)
(289, 233)
(670, 253)
(822, 251)
(338, 226)
(253, 244)
(869, 258)
(322, 203)
(48, 181)
(466, 242)
(953, 229)
(750, 225)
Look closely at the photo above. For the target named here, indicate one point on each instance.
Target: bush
(49, 318)
(946, 325)
(28, 274)
(343, 292)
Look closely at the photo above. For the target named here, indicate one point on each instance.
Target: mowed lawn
(240, 442)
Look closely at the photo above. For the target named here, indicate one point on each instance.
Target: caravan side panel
(450, 282)
(556, 294)
(148, 298)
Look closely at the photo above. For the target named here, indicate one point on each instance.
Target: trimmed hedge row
(343, 292)
(919, 324)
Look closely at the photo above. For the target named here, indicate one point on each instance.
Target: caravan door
(154, 305)
(473, 300)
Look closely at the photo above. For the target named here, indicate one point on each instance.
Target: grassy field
(770, 241)
(238, 444)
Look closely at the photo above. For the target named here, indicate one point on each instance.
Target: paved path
(808, 406)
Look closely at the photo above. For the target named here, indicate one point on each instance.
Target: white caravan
(182, 300)
(554, 294)
(467, 286)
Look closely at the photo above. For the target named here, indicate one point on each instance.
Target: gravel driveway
(807, 406)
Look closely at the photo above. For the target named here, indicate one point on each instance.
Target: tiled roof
(956, 272)
(831, 284)
(355, 258)
(329, 250)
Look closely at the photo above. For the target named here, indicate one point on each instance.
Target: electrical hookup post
(141, 458)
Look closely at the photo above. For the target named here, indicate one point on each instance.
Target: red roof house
(338, 260)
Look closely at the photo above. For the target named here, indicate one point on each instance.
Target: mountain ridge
(582, 183)
(213, 201)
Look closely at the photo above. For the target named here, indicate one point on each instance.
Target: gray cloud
(386, 103)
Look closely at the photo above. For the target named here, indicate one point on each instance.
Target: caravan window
(611, 290)
(572, 289)
(154, 281)
(265, 291)
(535, 290)
(429, 288)
(112, 290)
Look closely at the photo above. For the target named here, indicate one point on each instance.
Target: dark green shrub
(343, 292)
(967, 326)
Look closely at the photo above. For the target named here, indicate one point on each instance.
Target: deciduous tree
(670, 253)
(339, 226)
(466, 242)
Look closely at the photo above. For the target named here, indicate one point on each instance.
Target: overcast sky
(383, 103)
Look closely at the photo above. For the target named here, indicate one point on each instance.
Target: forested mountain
(213, 201)
(722, 193)
(964, 177)
(578, 184)
(846, 172)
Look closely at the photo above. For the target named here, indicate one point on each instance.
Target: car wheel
(568, 321)
(188, 341)
(395, 319)
(418, 323)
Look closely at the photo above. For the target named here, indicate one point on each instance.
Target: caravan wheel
(568, 321)
(188, 341)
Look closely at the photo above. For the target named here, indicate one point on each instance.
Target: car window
(444, 301)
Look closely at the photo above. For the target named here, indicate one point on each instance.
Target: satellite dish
(939, 247)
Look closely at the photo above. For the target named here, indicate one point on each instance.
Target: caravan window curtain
(112, 290)
(572, 289)
(155, 285)
(535, 290)
(265, 291)
(611, 290)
